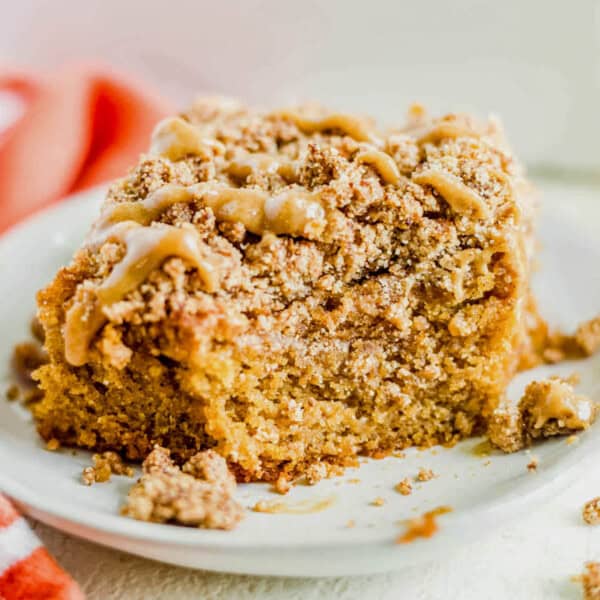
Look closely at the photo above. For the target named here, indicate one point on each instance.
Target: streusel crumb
(283, 485)
(404, 487)
(27, 357)
(105, 464)
(554, 346)
(547, 408)
(532, 465)
(12, 392)
(591, 511)
(52, 445)
(200, 494)
(379, 501)
(587, 336)
(590, 580)
(425, 475)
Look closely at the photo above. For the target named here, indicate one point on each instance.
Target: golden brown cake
(293, 289)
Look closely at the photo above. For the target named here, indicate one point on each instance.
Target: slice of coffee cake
(293, 289)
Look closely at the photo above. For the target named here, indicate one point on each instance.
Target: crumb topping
(12, 392)
(591, 512)
(404, 487)
(590, 580)
(105, 464)
(52, 445)
(200, 494)
(425, 474)
(547, 408)
(587, 336)
(27, 357)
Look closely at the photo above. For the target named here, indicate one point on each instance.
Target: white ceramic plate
(482, 491)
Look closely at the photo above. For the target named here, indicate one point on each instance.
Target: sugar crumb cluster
(200, 494)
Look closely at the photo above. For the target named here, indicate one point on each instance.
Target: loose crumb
(283, 485)
(590, 580)
(548, 408)
(404, 487)
(379, 501)
(105, 464)
(591, 511)
(572, 439)
(200, 494)
(351, 524)
(354, 480)
(13, 392)
(425, 475)
(27, 357)
(52, 444)
(587, 336)
(88, 475)
(533, 464)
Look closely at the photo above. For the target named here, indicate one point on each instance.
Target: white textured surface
(532, 558)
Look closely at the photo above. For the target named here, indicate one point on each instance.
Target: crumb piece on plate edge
(425, 475)
(404, 487)
(591, 511)
(104, 465)
(590, 581)
(548, 407)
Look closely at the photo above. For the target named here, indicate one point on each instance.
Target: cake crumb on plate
(587, 336)
(425, 474)
(532, 465)
(547, 408)
(105, 464)
(52, 445)
(200, 494)
(12, 392)
(404, 487)
(590, 581)
(591, 511)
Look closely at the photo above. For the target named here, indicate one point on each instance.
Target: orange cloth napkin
(27, 571)
(80, 126)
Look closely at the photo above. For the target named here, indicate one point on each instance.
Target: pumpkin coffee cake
(293, 289)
